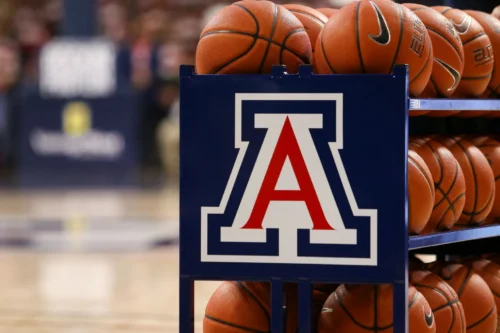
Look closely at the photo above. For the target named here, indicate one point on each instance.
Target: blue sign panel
(68, 140)
(293, 177)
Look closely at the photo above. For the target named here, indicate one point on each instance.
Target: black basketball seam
(324, 54)
(215, 71)
(446, 195)
(306, 14)
(438, 159)
(438, 93)
(429, 182)
(464, 282)
(284, 48)
(476, 77)
(251, 294)
(401, 26)
(424, 66)
(273, 30)
(339, 301)
(482, 319)
(358, 43)
(474, 176)
(444, 306)
(484, 208)
(451, 206)
(247, 329)
(446, 39)
(479, 35)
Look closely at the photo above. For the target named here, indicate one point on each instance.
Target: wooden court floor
(92, 292)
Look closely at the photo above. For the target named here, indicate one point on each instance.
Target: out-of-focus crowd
(153, 38)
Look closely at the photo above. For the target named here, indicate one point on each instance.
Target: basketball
(328, 12)
(249, 37)
(491, 150)
(373, 36)
(449, 183)
(491, 26)
(420, 193)
(312, 20)
(246, 305)
(443, 300)
(353, 308)
(447, 50)
(479, 180)
(478, 64)
(490, 272)
(477, 300)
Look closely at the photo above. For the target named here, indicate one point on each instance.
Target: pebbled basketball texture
(249, 37)
(477, 300)
(443, 300)
(245, 307)
(478, 64)
(491, 150)
(312, 20)
(491, 26)
(420, 193)
(449, 183)
(479, 180)
(372, 37)
(328, 12)
(448, 53)
(368, 308)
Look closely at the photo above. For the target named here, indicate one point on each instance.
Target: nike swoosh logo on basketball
(384, 37)
(463, 27)
(429, 318)
(452, 71)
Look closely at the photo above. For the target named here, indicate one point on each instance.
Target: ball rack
(362, 148)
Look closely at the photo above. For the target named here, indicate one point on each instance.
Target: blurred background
(89, 115)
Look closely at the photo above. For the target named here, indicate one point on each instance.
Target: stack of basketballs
(451, 180)
(443, 297)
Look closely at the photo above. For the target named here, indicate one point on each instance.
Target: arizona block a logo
(288, 198)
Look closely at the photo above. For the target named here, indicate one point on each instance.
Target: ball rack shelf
(359, 126)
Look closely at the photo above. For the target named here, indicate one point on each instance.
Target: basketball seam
(438, 93)
(452, 207)
(446, 10)
(424, 66)
(446, 39)
(251, 294)
(306, 14)
(324, 54)
(446, 197)
(273, 30)
(473, 174)
(358, 43)
(485, 207)
(422, 171)
(342, 306)
(283, 46)
(247, 329)
(479, 35)
(464, 282)
(401, 27)
(482, 319)
(217, 70)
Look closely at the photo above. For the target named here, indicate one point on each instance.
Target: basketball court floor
(91, 262)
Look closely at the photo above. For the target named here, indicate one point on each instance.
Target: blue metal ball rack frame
(356, 134)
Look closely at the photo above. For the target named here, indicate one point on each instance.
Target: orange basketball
(328, 12)
(479, 180)
(491, 150)
(246, 305)
(449, 183)
(312, 20)
(491, 26)
(490, 272)
(420, 193)
(249, 37)
(354, 308)
(478, 64)
(477, 300)
(373, 36)
(443, 300)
